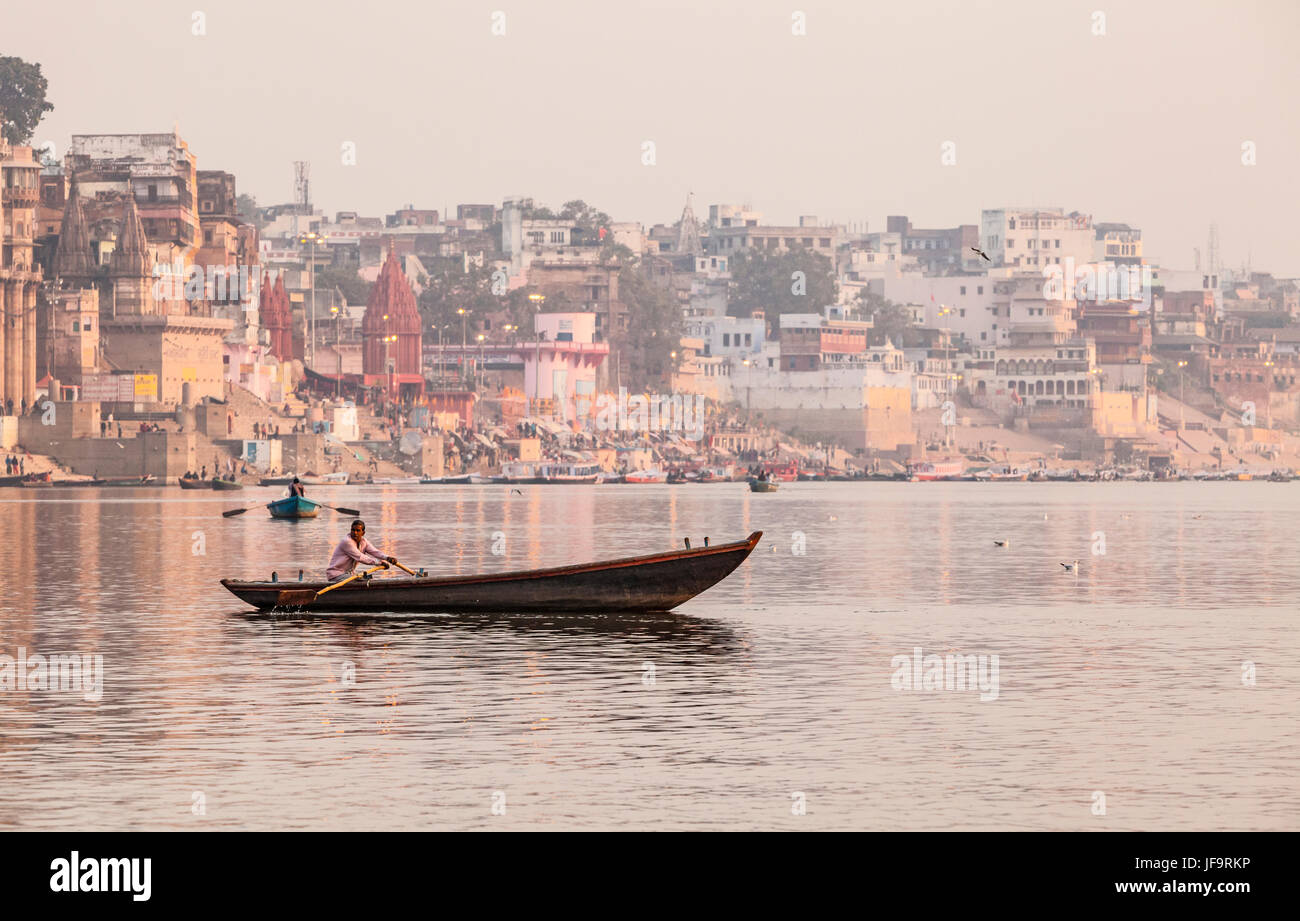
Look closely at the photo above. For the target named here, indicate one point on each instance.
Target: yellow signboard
(146, 388)
(296, 297)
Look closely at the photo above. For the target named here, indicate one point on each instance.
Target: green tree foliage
(354, 287)
(888, 319)
(450, 288)
(765, 280)
(654, 330)
(22, 99)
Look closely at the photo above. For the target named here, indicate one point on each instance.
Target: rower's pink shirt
(347, 555)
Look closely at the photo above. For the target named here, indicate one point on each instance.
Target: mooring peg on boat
(275, 577)
(688, 543)
(300, 575)
(706, 540)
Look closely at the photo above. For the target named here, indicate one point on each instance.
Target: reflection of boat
(757, 485)
(293, 507)
(659, 582)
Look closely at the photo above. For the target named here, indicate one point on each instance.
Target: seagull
(981, 253)
(774, 548)
(1002, 543)
(1071, 567)
(1198, 516)
(119, 444)
(514, 492)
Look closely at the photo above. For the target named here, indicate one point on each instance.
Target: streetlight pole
(313, 239)
(338, 353)
(1181, 377)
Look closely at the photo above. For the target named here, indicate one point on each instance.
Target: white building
(1034, 237)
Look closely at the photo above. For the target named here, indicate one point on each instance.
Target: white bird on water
(1072, 566)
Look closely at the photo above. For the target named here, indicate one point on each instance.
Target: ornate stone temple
(391, 335)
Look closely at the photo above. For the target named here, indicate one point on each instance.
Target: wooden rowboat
(192, 482)
(655, 583)
(227, 484)
(293, 507)
(756, 485)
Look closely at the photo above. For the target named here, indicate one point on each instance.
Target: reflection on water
(1123, 678)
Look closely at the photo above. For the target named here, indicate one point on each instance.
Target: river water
(1156, 687)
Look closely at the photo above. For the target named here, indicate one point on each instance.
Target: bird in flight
(515, 491)
(982, 253)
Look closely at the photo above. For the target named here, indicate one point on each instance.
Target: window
(153, 192)
(824, 242)
(748, 337)
(1011, 244)
(979, 290)
(76, 327)
(961, 312)
(963, 289)
(726, 340)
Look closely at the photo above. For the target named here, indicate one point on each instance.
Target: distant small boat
(149, 480)
(928, 471)
(653, 475)
(567, 473)
(293, 507)
(394, 481)
(25, 479)
(757, 485)
(193, 482)
(324, 479)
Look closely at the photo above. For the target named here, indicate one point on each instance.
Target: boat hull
(764, 485)
(293, 507)
(226, 485)
(655, 583)
(192, 483)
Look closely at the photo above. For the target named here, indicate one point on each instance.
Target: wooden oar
(239, 511)
(298, 597)
(342, 511)
(403, 568)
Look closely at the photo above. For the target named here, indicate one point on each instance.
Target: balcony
(17, 197)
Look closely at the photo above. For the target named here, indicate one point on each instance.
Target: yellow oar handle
(403, 568)
(340, 584)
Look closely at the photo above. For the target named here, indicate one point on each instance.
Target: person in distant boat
(352, 550)
(295, 488)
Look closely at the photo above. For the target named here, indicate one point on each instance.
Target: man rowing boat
(352, 550)
(295, 488)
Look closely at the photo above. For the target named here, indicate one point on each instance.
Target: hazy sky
(1143, 125)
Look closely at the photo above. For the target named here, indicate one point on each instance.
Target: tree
(22, 99)
(246, 206)
(893, 320)
(450, 288)
(354, 287)
(767, 280)
(654, 330)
